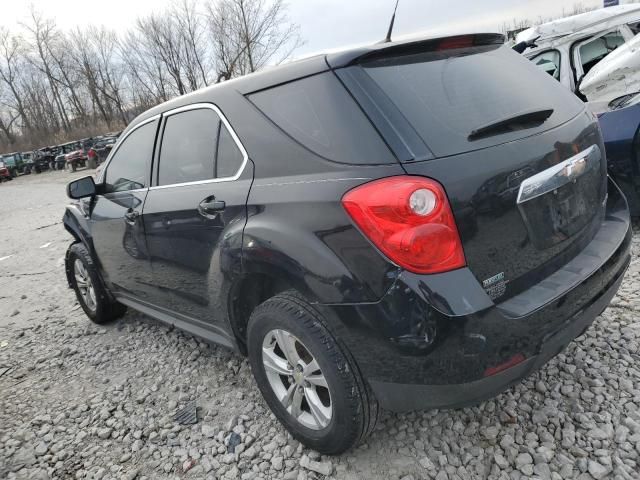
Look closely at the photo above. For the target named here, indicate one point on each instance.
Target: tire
(99, 307)
(353, 408)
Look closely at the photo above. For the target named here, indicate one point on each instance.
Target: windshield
(9, 160)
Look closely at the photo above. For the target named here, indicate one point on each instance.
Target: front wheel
(312, 386)
(90, 291)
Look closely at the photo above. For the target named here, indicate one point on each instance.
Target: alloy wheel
(84, 284)
(296, 379)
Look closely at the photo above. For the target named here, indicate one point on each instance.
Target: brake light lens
(409, 219)
(462, 41)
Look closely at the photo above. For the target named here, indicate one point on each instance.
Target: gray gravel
(82, 401)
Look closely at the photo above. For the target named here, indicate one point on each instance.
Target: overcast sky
(324, 24)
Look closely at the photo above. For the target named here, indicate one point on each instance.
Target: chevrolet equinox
(404, 226)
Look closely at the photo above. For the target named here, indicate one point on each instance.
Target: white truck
(595, 54)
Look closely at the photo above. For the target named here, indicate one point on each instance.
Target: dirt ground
(84, 401)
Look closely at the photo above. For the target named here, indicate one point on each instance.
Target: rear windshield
(447, 95)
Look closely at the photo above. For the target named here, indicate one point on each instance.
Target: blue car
(621, 132)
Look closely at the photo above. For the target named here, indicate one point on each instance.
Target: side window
(129, 167)
(593, 51)
(230, 157)
(188, 149)
(549, 61)
(319, 113)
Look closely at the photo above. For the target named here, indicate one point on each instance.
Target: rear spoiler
(394, 49)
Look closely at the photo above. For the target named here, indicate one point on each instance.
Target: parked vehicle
(5, 174)
(14, 162)
(42, 159)
(620, 127)
(597, 54)
(59, 162)
(28, 160)
(101, 148)
(76, 158)
(59, 159)
(321, 217)
(569, 49)
(92, 158)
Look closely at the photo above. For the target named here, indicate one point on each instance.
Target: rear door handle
(211, 206)
(131, 216)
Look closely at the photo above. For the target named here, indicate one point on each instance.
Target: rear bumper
(403, 397)
(439, 341)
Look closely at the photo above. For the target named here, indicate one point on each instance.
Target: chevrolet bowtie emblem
(574, 169)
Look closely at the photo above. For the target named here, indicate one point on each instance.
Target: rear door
(116, 218)
(196, 211)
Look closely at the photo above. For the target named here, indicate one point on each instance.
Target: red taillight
(409, 219)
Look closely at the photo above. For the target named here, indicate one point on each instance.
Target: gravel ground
(83, 401)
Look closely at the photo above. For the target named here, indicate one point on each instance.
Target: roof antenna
(387, 39)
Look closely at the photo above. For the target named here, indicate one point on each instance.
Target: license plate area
(557, 203)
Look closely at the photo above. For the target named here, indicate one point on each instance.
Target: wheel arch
(253, 288)
(77, 224)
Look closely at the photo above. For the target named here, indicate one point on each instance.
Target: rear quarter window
(318, 113)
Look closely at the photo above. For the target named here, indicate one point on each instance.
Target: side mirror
(81, 188)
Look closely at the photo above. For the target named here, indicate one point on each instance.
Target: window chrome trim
(116, 147)
(234, 136)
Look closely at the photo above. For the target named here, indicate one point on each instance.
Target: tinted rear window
(230, 158)
(319, 113)
(447, 95)
(188, 148)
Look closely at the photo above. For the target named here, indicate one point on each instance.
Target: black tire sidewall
(346, 424)
(106, 309)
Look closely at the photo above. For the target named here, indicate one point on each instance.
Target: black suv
(405, 226)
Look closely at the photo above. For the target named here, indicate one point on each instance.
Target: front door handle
(211, 207)
(131, 216)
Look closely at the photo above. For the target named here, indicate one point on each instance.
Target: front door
(117, 214)
(195, 214)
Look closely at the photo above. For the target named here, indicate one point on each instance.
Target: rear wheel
(313, 387)
(90, 291)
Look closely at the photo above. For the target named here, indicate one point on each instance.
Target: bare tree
(11, 55)
(57, 85)
(43, 35)
(249, 34)
(192, 29)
